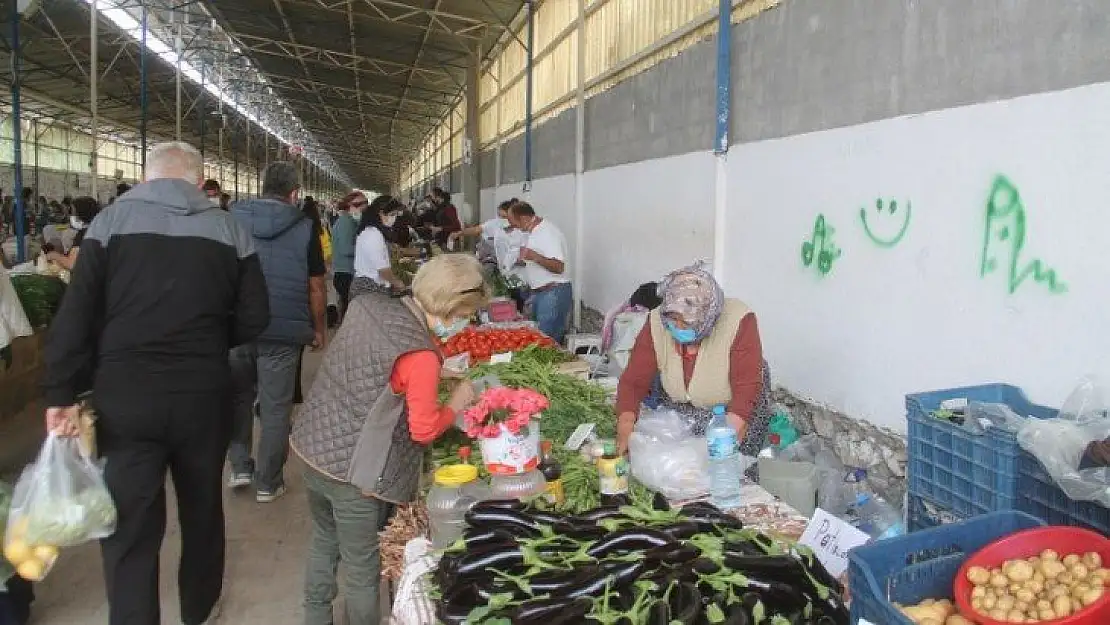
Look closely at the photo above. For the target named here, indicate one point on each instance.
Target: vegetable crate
(1042, 497)
(966, 473)
(922, 565)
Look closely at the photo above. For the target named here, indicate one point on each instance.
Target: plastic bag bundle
(1060, 443)
(60, 501)
(667, 458)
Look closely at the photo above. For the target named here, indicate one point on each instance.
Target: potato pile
(1041, 588)
(934, 612)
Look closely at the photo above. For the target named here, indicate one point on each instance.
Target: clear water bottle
(724, 461)
(877, 518)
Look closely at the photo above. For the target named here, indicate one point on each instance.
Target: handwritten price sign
(831, 539)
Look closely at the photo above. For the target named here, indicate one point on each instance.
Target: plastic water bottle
(724, 461)
(877, 518)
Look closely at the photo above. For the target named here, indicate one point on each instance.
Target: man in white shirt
(544, 270)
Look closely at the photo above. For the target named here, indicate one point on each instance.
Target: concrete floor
(266, 547)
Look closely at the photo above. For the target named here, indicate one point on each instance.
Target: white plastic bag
(667, 458)
(1061, 442)
(60, 501)
(626, 327)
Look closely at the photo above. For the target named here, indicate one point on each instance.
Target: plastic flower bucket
(510, 454)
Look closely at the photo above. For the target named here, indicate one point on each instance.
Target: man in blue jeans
(292, 261)
(544, 268)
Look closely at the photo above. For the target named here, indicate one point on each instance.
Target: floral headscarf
(694, 295)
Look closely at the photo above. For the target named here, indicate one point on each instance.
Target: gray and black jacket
(165, 284)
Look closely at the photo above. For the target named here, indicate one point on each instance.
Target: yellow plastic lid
(456, 474)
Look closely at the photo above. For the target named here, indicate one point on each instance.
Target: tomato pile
(481, 344)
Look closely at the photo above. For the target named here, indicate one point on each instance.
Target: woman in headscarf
(704, 348)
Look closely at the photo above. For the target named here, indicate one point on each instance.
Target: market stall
(569, 503)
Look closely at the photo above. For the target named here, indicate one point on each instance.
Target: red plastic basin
(1022, 545)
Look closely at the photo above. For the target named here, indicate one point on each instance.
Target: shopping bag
(59, 501)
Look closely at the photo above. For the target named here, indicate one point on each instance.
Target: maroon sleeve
(746, 368)
(635, 382)
(453, 218)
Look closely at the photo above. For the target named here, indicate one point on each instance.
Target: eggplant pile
(627, 565)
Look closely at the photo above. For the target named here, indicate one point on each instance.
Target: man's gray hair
(175, 159)
(280, 179)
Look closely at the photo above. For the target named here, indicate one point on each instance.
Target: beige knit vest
(709, 386)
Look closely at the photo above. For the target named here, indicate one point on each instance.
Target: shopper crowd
(187, 317)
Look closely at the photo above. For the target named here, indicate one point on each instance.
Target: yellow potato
(978, 575)
(1092, 595)
(1071, 559)
(31, 570)
(19, 527)
(956, 619)
(1092, 560)
(16, 551)
(1019, 571)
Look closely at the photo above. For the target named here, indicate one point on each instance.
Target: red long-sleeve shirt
(745, 371)
(416, 376)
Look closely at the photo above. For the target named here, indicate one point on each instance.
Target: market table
(413, 605)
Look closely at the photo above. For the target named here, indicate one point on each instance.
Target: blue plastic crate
(968, 474)
(1041, 497)
(924, 514)
(921, 565)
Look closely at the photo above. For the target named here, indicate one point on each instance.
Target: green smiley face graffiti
(887, 212)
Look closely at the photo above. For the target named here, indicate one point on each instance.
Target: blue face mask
(445, 332)
(684, 336)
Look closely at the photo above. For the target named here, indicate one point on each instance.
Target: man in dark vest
(293, 263)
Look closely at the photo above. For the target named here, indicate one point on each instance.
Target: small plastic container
(519, 486)
(793, 482)
(456, 488)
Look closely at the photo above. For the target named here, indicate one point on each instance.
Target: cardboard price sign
(830, 539)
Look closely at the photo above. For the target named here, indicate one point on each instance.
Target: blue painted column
(720, 138)
(724, 75)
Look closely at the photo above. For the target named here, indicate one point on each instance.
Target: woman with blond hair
(367, 419)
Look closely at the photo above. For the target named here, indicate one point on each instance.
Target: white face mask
(389, 220)
(76, 223)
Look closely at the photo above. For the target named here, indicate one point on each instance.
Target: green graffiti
(820, 247)
(888, 209)
(1005, 229)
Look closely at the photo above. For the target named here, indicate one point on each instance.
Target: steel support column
(17, 140)
(580, 163)
(720, 136)
(179, 49)
(144, 103)
(35, 172)
(94, 79)
(199, 105)
(472, 138)
(528, 89)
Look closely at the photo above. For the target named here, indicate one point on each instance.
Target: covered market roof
(356, 83)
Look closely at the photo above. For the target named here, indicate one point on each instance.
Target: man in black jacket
(167, 283)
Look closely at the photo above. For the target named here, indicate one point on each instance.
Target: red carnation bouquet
(503, 406)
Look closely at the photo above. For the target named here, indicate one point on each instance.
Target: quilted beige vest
(709, 386)
(352, 426)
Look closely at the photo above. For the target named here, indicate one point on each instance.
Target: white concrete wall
(885, 320)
